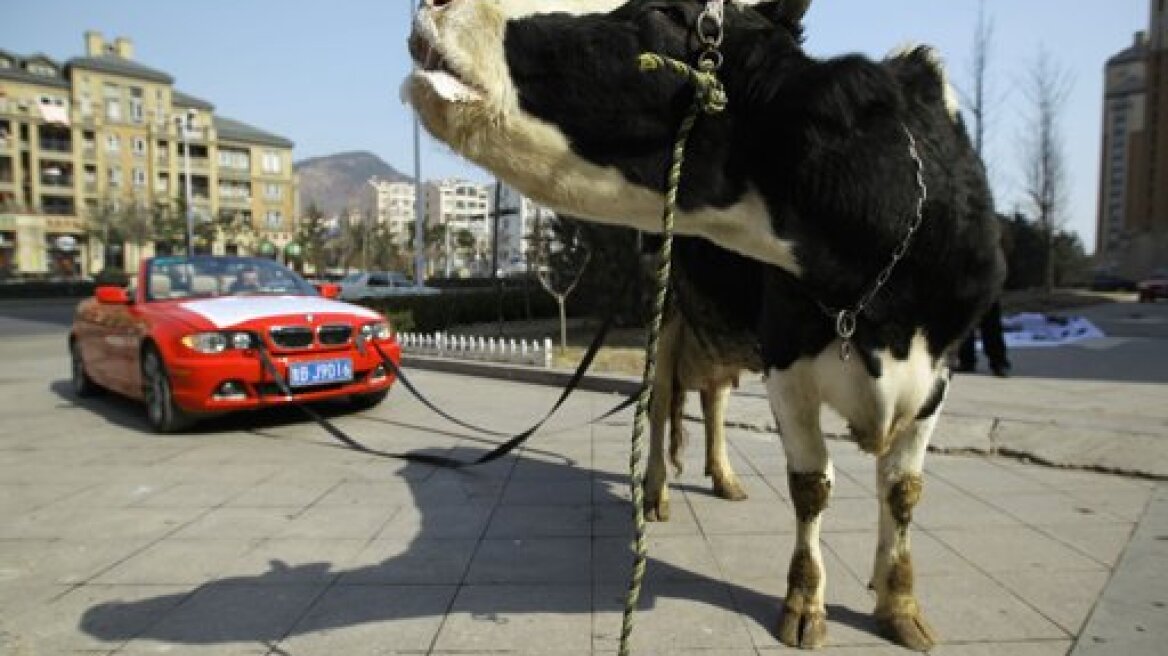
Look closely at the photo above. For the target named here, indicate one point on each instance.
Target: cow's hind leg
(656, 502)
(900, 487)
(809, 478)
(726, 484)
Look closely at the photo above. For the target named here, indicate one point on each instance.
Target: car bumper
(233, 381)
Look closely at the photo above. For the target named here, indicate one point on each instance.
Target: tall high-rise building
(1133, 189)
(393, 204)
(519, 218)
(103, 137)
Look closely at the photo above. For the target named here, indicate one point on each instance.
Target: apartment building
(394, 206)
(104, 135)
(462, 207)
(1133, 201)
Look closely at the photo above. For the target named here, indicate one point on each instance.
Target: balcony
(234, 201)
(58, 183)
(56, 148)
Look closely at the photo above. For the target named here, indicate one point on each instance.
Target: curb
(521, 374)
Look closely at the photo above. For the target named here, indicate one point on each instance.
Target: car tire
(367, 401)
(162, 413)
(83, 385)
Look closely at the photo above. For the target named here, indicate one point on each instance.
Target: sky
(327, 74)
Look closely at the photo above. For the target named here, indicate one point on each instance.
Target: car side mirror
(329, 290)
(110, 295)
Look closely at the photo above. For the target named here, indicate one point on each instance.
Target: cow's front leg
(726, 484)
(809, 478)
(900, 485)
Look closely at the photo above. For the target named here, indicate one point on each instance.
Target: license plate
(320, 372)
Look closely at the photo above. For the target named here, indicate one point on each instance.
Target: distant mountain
(340, 181)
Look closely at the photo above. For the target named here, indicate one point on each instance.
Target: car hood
(229, 311)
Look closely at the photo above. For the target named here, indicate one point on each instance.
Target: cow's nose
(436, 4)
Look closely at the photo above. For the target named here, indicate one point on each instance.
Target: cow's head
(548, 94)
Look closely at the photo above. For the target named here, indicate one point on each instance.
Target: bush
(451, 308)
(111, 276)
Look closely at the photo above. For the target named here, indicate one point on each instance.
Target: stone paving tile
(1102, 542)
(671, 558)
(857, 550)
(109, 524)
(672, 617)
(280, 561)
(107, 617)
(571, 492)
(237, 523)
(338, 523)
(941, 508)
(974, 608)
(977, 475)
(60, 561)
(173, 562)
(541, 521)
(370, 619)
(719, 517)
(272, 494)
(532, 561)
(523, 619)
(1046, 508)
(1010, 549)
(616, 519)
(445, 521)
(221, 617)
(418, 561)
(1066, 598)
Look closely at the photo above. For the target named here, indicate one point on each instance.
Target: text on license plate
(320, 372)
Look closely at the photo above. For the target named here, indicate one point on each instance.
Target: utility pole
(419, 217)
(495, 255)
(184, 123)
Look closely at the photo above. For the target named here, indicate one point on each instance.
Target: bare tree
(976, 98)
(1048, 86)
(560, 270)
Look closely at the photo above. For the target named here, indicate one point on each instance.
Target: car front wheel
(164, 415)
(83, 385)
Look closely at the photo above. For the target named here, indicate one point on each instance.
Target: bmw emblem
(308, 318)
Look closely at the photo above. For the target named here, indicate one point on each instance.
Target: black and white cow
(811, 170)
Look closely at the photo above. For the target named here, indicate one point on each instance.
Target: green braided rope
(709, 98)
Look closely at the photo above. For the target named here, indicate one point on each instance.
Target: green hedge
(451, 308)
(46, 289)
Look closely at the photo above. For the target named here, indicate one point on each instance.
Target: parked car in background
(380, 284)
(1109, 282)
(1153, 287)
(199, 336)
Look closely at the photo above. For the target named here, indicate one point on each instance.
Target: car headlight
(378, 330)
(215, 342)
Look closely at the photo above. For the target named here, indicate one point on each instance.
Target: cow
(852, 181)
(707, 340)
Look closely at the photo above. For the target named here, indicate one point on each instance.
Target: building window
(113, 102)
(113, 143)
(273, 191)
(115, 176)
(271, 162)
(274, 220)
(139, 146)
(137, 114)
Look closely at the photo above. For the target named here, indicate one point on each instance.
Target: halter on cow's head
(548, 93)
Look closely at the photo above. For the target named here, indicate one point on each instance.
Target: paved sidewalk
(255, 536)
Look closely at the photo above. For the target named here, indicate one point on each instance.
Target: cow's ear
(783, 12)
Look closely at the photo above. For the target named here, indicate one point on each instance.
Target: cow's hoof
(805, 630)
(729, 489)
(909, 630)
(656, 507)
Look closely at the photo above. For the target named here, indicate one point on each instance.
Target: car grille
(334, 334)
(292, 337)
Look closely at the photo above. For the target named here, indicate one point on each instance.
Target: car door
(89, 333)
(122, 335)
(378, 285)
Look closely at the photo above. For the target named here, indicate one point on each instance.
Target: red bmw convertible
(199, 336)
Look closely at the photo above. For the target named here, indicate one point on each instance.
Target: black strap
(443, 461)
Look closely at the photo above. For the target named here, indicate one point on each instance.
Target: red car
(1153, 287)
(199, 336)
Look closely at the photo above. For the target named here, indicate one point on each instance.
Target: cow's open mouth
(444, 79)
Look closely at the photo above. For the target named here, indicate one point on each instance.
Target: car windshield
(352, 278)
(203, 277)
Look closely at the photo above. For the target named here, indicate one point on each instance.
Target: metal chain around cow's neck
(710, 98)
(845, 319)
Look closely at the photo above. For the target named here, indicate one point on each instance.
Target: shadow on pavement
(261, 608)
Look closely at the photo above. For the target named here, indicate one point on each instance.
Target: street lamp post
(184, 123)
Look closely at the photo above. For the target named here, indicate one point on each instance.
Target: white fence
(485, 349)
